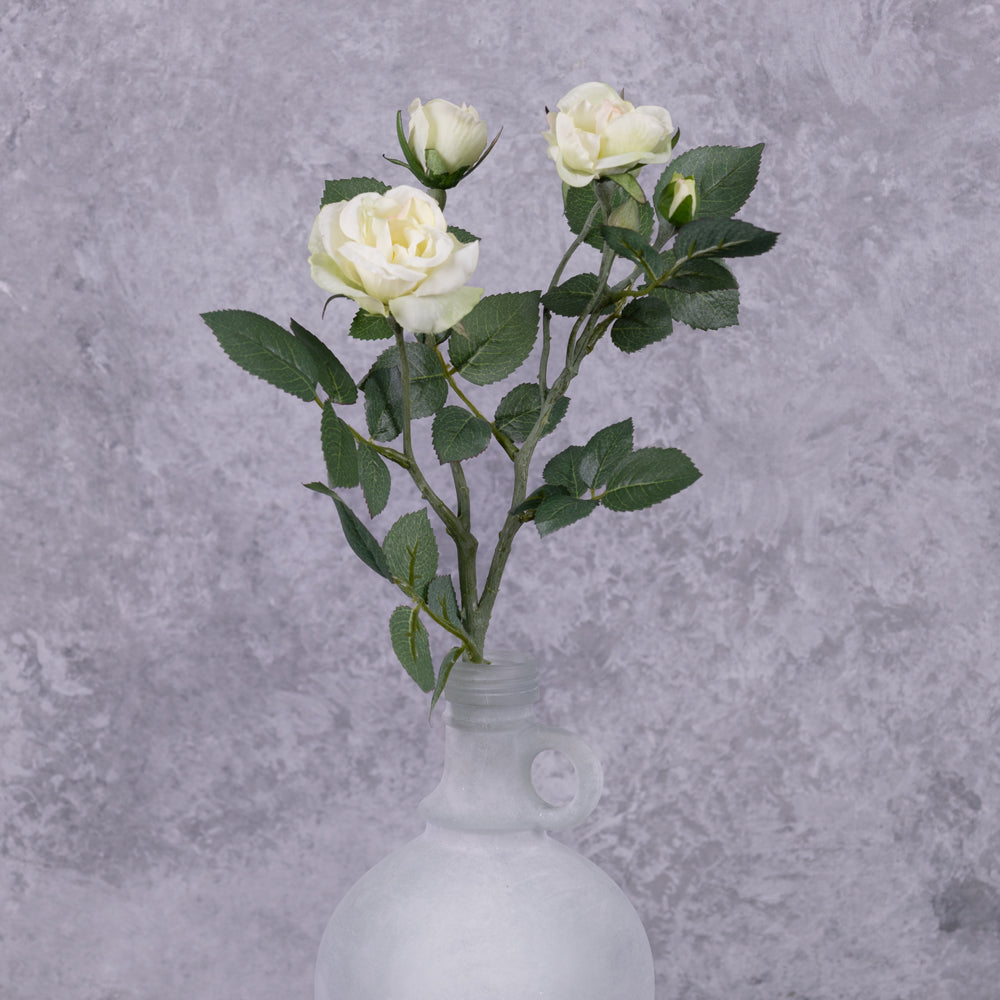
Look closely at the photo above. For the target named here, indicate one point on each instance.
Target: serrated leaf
(369, 326)
(499, 334)
(722, 238)
(442, 601)
(703, 274)
(526, 509)
(724, 176)
(359, 538)
(331, 374)
(556, 512)
(519, 410)
(633, 246)
(572, 297)
(579, 201)
(462, 235)
(458, 434)
(383, 389)
(573, 469)
(339, 451)
(263, 348)
(444, 671)
(643, 321)
(412, 646)
(711, 310)
(345, 190)
(375, 479)
(609, 448)
(411, 550)
(648, 476)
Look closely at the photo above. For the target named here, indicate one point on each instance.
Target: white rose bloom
(596, 133)
(392, 253)
(457, 133)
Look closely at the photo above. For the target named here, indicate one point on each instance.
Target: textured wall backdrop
(791, 669)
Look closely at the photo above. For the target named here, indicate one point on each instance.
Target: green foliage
(633, 246)
(722, 238)
(578, 203)
(519, 410)
(560, 510)
(411, 550)
(383, 389)
(339, 450)
(444, 672)
(499, 334)
(458, 434)
(643, 321)
(344, 190)
(375, 479)
(702, 274)
(648, 476)
(710, 310)
(411, 645)
(442, 601)
(359, 538)
(261, 347)
(572, 297)
(724, 176)
(369, 326)
(631, 479)
(330, 373)
(461, 235)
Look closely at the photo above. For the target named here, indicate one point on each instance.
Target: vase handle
(589, 777)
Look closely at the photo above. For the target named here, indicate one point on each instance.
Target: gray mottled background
(791, 669)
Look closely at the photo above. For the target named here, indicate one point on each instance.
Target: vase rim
(508, 678)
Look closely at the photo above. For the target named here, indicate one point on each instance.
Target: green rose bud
(680, 200)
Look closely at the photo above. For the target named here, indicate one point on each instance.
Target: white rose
(392, 253)
(595, 133)
(457, 134)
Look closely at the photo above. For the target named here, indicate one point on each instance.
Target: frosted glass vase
(484, 905)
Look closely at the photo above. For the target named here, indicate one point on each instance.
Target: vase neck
(491, 740)
(486, 783)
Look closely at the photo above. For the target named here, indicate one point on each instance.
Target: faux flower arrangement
(392, 252)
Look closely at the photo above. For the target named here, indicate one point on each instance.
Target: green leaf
(609, 448)
(458, 434)
(359, 538)
(411, 550)
(375, 479)
(572, 297)
(628, 183)
(499, 334)
(724, 176)
(648, 476)
(519, 411)
(383, 389)
(722, 238)
(643, 321)
(633, 246)
(579, 201)
(573, 469)
(711, 310)
(702, 274)
(412, 646)
(462, 235)
(444, 671)
(442, 601)
(345, 190)
(527, 508)
(264, 349)
(369, 326)
(339, 450)
(331, 374)
(556, 512)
